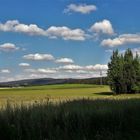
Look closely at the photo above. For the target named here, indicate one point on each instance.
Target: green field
(56, 93)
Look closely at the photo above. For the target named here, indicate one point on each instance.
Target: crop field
(82, 119)
(68, 112)
(57, 93)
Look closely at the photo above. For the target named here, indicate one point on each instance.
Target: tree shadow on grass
(104, 93)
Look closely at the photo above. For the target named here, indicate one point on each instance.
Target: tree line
(124, 72)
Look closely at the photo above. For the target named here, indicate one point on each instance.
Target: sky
(64, 38)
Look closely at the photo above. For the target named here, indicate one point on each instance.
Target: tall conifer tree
(124, 72)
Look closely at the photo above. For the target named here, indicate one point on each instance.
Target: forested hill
(50, 81)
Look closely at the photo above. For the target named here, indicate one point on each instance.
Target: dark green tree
(114, 72)
(136, 65)
(129, 71)
(124, 72)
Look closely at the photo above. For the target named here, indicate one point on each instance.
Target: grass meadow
(68, 112)
(57, 93)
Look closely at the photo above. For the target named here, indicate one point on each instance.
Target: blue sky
(64, 38)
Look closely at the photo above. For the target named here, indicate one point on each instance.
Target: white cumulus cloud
(66, 33)
(9, 25)
(41, 71)
(4, 71)
(46, 71)
(16, 26)
(122, 40)
(39, 57)
(24, 64)
(96, 67)
(31, 29)
(70, 67)
(7, 47)
(80, 8)
(64, 61)
(88, 68)
(102, 27)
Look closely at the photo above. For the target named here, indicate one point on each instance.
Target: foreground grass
(72, 120)
(57, 93)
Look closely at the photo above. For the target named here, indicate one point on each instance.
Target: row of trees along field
(124, 72)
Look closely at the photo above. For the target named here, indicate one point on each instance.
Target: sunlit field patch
(57, 93)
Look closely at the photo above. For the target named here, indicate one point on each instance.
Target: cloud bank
(52, 32)
(122, 40)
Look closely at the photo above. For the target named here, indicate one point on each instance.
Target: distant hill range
(51, 81)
